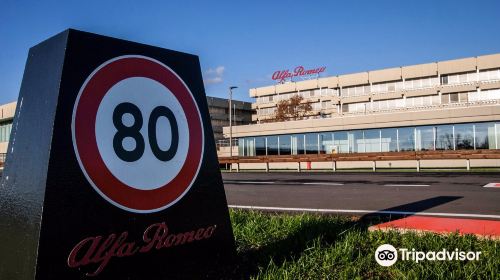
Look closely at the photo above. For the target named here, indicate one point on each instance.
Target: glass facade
(389, 139)
(406, 139)
(272, 145)
(285, 144)
(260, 146)
(340, 142)
(326, 143)
(444, 137)
(311, 143)
(424, 138)
(485, 136)
(418, 138)
(297, 144)
(372, 140)
(464, 136)
(5, 129)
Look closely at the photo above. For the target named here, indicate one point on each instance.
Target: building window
(459, 78)
(444, 80)
(326, 145)
(356, 141)
(444, 137)
(260, 146)
(372, 140)
(297, 145)
(241, 147)
(464, 136)
(5, 129)
(454, 98)
(485, 135)
(250, 147)
(355, 91)
(389, 140)
(487, 75)
(445, 99)
(341, 142)
(424, 138)
(420, 138)
(316, 106)
(311, 143)
(272, 145)
(285, 144)
(406, 137)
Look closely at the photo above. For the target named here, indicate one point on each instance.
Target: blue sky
(243, 42)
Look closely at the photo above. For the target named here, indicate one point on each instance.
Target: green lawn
(307, 246)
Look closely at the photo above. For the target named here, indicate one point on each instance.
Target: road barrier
(417, 156)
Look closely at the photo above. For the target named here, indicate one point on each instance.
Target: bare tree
(291, 109)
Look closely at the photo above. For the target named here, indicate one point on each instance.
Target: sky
(241, 43)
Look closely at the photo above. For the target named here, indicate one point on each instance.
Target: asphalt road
(435, 194)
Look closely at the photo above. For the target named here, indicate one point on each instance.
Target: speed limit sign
(120, 166)
(137, 133)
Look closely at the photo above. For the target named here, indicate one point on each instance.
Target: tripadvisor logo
(387, 255)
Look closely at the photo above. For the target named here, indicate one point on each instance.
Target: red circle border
(84, 140)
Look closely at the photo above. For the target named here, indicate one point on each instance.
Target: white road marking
(247, 182)
(405, 185)
(284, 183)
(316, 183)
(364, 211)
(492, 185)
(324, 183)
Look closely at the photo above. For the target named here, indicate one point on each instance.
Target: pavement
(437, 199)
(478, 227)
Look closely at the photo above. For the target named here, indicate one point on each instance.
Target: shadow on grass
(328, 229)
(290, 248)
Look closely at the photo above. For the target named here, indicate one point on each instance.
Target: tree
(291, 109)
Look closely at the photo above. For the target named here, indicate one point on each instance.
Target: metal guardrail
(225, 143)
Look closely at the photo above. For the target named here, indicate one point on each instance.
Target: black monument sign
(111, 170)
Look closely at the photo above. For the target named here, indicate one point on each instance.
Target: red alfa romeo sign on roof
(137, 133)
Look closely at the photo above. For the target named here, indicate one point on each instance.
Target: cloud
(214, 76)
(214, 80)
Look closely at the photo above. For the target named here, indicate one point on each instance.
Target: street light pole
(231, 120)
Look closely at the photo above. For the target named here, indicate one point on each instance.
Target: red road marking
(492, 185)
(497, 185)
(445, 225)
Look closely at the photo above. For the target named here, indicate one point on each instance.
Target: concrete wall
(7, 111)
(3, 147)
(396, 164)
(225, 152)
(392, 119)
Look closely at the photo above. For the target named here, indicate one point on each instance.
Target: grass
(308, 246)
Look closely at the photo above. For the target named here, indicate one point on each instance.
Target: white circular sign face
(138, 134)
(148, 172)
(386, 255)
